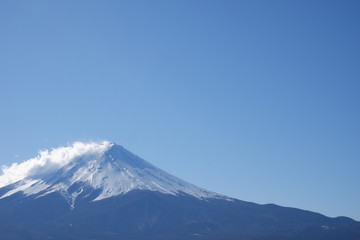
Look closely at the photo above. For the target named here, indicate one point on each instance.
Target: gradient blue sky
(258, 100)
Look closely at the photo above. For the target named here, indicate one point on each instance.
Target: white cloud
(49, 161)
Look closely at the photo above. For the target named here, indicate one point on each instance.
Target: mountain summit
(101, 170)
(103, 191)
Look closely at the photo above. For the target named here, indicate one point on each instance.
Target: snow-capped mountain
(102, 191)
(105, 168)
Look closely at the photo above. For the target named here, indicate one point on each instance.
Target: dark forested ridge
(154, 215)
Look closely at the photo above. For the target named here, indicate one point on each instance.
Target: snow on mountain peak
(105, 168)
(50, 161)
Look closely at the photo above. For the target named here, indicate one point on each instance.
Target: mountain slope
(103, 191)
(110, 171)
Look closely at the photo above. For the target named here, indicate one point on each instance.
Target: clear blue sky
(258, 100)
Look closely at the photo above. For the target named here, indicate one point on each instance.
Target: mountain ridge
(102, 191)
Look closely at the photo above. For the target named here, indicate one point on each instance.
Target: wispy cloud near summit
(49, 161)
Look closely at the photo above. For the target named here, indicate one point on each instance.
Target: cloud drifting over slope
(49, 161)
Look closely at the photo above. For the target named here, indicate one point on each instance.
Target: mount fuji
(103, 191)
